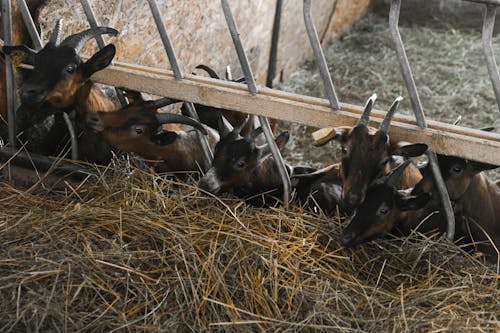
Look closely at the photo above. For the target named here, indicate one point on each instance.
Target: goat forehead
(55, 58)
(232, 150)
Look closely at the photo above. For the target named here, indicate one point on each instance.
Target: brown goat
(140, 128)
(60, 82)
(367, 155)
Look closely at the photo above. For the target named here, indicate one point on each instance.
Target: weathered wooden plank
(443, 138)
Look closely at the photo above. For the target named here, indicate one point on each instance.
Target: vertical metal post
(419, 114)
(252, 88)
(30, 25)
(89, 13)
(320, 57)
(487, 34)
(9, 73)
(273, 53)
(178, 76)
(72, 135)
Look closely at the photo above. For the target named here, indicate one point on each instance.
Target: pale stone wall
(198, 30)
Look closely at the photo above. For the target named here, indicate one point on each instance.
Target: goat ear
(282, 139)
(19, 54)
(412, 150)
(405, 203)
(99, 61)
(479, 166)
(165, 138)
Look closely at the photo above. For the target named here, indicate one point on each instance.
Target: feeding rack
(265, 102)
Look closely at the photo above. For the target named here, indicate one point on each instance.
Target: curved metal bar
(252, 88)
(72, 135)
(207, 153)
(320, 57)
(89, 13)
(9, 73)
(419, 114)
(273, 53)
(30, 25)
(487, 35)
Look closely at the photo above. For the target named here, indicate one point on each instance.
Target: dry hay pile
(130, 250)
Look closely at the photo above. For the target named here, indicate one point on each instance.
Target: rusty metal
(252, 88)
(207, 153)
(320, 57)
(419, 114)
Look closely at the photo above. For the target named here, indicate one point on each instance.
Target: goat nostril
(346, 238)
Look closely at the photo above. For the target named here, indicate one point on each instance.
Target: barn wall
(198, 30)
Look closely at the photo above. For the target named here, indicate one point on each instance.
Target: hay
(134, 251)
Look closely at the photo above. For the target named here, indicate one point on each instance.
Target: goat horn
(365, 117)
(223, 125)
(77, 41)
(384, 127)
(396, 174)
(165, 118)
(56, 34)
(229, 75)
(159, 103)
(238, 128)
(209, 70)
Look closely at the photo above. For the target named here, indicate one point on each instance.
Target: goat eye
(240, 164)
(139, 130)
(70, 68)
(344, 150)
(457, 169)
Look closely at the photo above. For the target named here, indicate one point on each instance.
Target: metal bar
(273, 53)
(252, 88)
(89, 13)
(319, 55)
(44, 163)
(419, 115)
(30, 25)
(9, 73)
(487, 35)
(172, 58)
(71, 130)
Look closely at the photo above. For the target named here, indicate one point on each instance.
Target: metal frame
(9, 73)
(273, 52)
(207, 153)
(252, 88)
(320, 57)
(419, 114)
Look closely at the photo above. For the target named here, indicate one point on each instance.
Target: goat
(60, 82)
(208, 114)
(385, 208)
(475, 197)
(242, 166)
(140, 128)
(367, 155)
(321, 188)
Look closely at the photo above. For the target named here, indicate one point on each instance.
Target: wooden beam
(443, 138)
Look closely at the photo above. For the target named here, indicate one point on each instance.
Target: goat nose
(346, 238)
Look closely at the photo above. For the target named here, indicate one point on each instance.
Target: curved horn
(209, 70)
(229, 75)
(223, 125)
(396, 174)
(237, 129)
(384, 127)
(56, 34)
(77, 41)
(365, 117)
(165, 118)
(159, 103)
